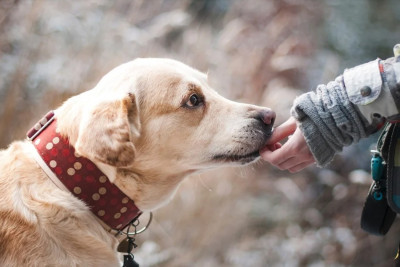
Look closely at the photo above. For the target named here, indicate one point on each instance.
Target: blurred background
(255, 51)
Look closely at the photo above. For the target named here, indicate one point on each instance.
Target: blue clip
(376, 167)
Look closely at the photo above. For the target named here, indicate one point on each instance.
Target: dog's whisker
(203, 183)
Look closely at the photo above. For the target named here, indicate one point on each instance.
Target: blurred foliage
(262, 52)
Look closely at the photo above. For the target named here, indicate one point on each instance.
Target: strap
(393, 175)
(383, 143)
(80, 176)
(377, 217)
(40, 125)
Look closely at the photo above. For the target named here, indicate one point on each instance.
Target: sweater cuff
(328, 121)
(319, 147)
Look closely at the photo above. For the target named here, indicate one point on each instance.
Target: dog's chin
(244, 155)
(237, 158)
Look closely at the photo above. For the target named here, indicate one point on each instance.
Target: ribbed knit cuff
(328, 120)
(319, 147)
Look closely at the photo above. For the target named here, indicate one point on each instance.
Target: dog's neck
(149, 189)
(146, 187)
(74, 173)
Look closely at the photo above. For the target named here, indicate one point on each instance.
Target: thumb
(282, 131)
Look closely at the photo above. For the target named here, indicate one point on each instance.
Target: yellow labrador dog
(145, 126)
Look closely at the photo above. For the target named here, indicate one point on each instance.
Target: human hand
(294, 155)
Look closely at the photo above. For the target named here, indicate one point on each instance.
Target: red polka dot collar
(80, 176)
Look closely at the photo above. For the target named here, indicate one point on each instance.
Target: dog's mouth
(246, 158)
(247, 144)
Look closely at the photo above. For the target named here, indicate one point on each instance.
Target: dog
(146, 125)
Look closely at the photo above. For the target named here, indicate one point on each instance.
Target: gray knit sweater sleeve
(350, 108)
(328, 120)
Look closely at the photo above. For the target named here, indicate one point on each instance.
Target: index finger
(282, 131)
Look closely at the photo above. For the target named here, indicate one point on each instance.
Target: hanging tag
(123, 246)
(129, 261)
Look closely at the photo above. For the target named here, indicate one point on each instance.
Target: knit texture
(328, 120)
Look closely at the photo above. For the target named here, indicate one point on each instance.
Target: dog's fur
(139, 126)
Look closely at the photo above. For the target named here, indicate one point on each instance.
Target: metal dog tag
(123, 246)
(126, 246)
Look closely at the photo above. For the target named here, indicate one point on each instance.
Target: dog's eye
(194, 101)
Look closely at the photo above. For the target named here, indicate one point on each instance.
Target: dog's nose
(267, 116)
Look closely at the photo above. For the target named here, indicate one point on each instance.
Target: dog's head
(160, 117)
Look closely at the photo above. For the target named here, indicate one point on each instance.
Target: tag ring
(140, 230)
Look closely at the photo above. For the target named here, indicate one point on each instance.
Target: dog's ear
(108, 132)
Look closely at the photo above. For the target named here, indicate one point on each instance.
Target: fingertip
(277, 146)
(268, 149)
(276, 136)
(265, 153)
(282, 131)
(274, 147)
